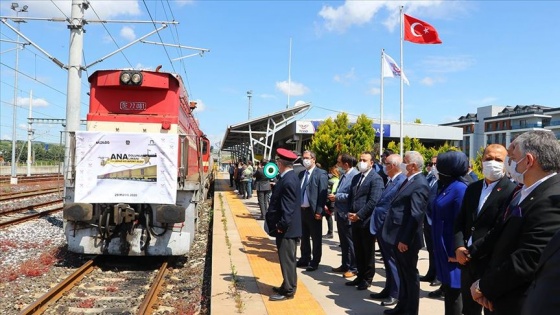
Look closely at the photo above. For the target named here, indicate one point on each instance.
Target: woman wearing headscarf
(451, 168)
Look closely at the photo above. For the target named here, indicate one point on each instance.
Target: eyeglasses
(430, 164)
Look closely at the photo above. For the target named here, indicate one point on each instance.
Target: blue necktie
(304, 186)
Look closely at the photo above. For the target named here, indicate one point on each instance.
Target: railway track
(15, 216)
(104, 286)
(5, 179)
(30, 193)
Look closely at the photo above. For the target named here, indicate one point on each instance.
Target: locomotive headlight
(137, 78)
(125, 77)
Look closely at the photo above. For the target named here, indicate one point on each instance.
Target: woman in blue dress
(451, 167)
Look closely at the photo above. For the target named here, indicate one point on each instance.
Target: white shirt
(305, 201)
(526, 191)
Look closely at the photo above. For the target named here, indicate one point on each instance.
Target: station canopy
(256, 136)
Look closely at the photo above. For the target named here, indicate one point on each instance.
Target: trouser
(364, 247)
(287, 257)
(230, 180)
(409, 291)
(391, 273)
(470, 306)
(263, 199)
(431, 274)
(311, 233)
(453, 303)
(346, 244)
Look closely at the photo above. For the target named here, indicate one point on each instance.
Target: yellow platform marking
(263, 258)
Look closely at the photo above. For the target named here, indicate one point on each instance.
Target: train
(140, 170)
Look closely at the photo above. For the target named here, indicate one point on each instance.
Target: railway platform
(245, 268)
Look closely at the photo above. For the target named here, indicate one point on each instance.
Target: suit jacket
(363, 200)
(384, 203)
(447, 205)
(262, 183)
(472, 223)
(317, 189)
(404, 219)
(284, 211)
(341, 204)
(542, 296)
(517, 244)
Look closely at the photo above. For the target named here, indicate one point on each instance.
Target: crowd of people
(493, 243)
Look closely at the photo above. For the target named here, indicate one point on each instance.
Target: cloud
(351, 13)
(200, 106)
(36, 102)
(127, 33)
(374, 91)
(98, 9)
(431, 81)
(345, 78)
(296, 88)
(442, 64)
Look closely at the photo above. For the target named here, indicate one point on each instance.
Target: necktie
(389, 182)
(403, 184)
(360, 181)
(513, 204)
(304, 186)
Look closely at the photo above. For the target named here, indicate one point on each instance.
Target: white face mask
(403, 168)
(493, 170)
(385, 170)
(363, 167)
(511, 167)
(306, 163)
(435, 172)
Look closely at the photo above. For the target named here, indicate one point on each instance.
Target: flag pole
(402, 88)
(381, 107)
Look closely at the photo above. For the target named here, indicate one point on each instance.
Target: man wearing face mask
(529, 222)
(482, 207)
(314, 185)
(363, 197)
(346, 164)
(432, 178)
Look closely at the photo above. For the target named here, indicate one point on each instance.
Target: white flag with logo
(391, 69)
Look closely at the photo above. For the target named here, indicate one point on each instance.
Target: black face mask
(445, 180)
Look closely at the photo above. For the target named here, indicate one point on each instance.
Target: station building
(502, 124)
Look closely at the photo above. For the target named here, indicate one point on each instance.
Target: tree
(362, 136)
(322, 143)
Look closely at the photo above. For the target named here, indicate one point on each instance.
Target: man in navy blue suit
(395, 178)
(314, 190)
(402, 229)
(363, 197)
(284, 222)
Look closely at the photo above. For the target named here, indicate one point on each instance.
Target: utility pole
(74, 81)
(29, 134)
(13, 179)
(249, 95)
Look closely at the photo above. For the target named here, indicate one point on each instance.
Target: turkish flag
(419, 32)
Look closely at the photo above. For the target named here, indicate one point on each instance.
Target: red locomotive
(141, 168)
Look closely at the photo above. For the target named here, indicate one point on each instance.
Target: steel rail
(152, 296)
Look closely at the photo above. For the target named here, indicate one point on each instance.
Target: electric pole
(249, 95)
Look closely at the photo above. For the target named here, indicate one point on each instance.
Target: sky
(493, 53)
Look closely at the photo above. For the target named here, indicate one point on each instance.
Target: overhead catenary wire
(159, 35)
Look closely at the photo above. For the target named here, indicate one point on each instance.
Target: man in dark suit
(391, 168)
(427, 228)
(542, 296)
(403, 230)
(283, 221)
(364, 194)
(314, 185)
(341, 206)
(530, 221)
(482, 207)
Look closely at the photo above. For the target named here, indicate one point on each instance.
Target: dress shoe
(435, 283)
(436, 294)
(379, 296)
(427, 279)
(353, 282)
(302, 264)
(390, 301)
(394, 311)
(276, 289)
(311, 268)
(349, 274)
(280, 297)
(338, 269)
(328, 236)
(363, 285)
